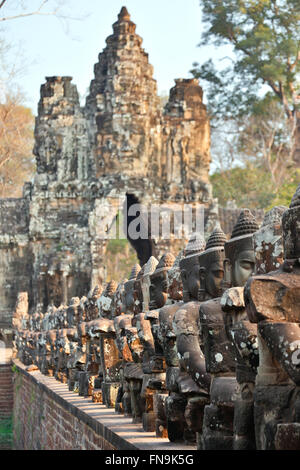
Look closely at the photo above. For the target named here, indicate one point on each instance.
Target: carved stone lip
(209, 250)
(241, 237)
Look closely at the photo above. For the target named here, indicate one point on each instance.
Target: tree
(254, 98)
(264, 36)
(16, 143)
(21, 11)
(17, 121)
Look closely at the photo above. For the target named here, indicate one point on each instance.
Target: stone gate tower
(121, 144)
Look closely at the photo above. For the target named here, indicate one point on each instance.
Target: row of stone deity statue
(202, 348)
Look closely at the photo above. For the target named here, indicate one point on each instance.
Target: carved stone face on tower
(159, 284)
(211, 266)
(239, 250)
(291, 228)
(190, 268)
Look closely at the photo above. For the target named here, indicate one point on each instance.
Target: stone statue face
(129, 298)
(158, 290)
(243, 267)
(190, 275)
(214, 277)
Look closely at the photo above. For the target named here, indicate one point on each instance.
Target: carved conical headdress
(245, 225)
(217, 239)
(97, 290)
(134, 272)
(196, 244)
(165, 262)
(110, 288)
(150, 266)
(141, 273)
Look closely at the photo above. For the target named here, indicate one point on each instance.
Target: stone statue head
(119, 299)
(291, 229)
(175, 287)
(148, 270)
(190, 268)
(129, 288)
(159, 284)
(138, 293)
(211, 266)
(92, 311)
(239, 264)
(104, 302)
(73, 312)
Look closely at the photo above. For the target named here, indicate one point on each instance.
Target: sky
(171, 31)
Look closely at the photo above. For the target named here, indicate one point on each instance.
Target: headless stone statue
(272, 301)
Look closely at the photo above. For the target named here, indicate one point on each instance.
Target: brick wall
(48, 416)
(40, 423)
(6, 406)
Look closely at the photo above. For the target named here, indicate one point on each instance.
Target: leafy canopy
(264, 36)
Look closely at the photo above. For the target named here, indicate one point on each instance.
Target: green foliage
(252, 187)
(286, 190)
(248, 187)
(120, 257)
(264, 37)
(14, 369)
(6, 426)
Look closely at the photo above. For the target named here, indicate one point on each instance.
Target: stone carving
(148, 330)
(272, 302)
(120, 144)
(180, 385)
(218, 320)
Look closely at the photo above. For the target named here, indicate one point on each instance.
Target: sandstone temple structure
(198, 348)
(121, 144)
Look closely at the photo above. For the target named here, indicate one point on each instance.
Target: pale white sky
(171, 30)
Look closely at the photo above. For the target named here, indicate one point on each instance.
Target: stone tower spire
(123, 106)
(61, 146)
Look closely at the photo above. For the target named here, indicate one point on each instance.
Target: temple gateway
(198, 347)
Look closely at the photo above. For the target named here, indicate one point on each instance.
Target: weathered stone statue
(268, 248)
(218, 317)
(272, 301)
(180, 385)
(133, 372)
(186, 324)
(168, 343)
(148, 330)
